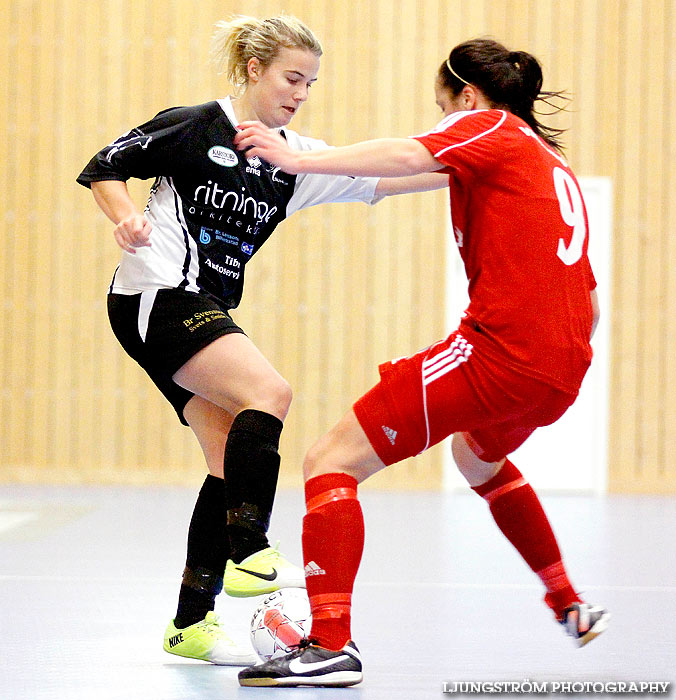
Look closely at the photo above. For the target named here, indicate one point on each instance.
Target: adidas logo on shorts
(389, 433)
(312, 569)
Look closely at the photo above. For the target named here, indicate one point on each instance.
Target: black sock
(208, 552)
(251, 468)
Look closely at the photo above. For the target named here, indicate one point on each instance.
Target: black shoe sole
(338, 679)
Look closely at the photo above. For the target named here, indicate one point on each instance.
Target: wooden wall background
(340, 288)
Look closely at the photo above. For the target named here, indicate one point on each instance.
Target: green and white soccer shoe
(206, 640)
(261, 573)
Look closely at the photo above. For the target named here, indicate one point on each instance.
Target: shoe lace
(302, 646)
(306, 642)
(273, 553)
(211, 625)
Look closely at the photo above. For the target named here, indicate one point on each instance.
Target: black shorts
(162, 329)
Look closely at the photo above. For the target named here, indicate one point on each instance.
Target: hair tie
(462, 80)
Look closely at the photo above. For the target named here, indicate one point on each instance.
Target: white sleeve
(314, 189)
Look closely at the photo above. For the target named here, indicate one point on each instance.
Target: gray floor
(89, 577)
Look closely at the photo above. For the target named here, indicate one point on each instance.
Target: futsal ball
(280, 622)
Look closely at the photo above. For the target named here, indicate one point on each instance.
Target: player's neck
(244, 109)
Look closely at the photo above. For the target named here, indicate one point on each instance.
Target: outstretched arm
(413, 183)
(378, 158)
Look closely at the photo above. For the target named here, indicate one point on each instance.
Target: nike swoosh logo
(257, 574)
(297, 666)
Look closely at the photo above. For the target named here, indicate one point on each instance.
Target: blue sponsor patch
(247, 248)
(226, 238)
(207, 234)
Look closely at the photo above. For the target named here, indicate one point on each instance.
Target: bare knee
(273, 397)
(281, 396)
(475, 471)
(328, 456)
(344, 449)
(321, 459)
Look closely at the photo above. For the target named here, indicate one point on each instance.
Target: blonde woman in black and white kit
(182, 271)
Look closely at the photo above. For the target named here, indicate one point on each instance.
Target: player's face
(446, 101)
(278, 91)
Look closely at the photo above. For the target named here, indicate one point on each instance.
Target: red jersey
(521, 227)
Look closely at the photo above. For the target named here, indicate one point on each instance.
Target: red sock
(333, 541)
(519, 514)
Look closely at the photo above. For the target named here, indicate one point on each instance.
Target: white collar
(226, 106)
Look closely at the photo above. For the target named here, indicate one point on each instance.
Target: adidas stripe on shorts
(452, 387)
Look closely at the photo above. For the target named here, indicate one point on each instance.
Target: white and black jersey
(210, 207)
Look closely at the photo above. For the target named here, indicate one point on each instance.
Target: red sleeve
(466, 140)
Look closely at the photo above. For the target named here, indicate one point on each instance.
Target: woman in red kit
(515, 363)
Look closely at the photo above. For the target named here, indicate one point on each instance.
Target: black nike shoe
(310, 664)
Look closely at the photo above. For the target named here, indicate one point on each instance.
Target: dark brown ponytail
(509, 80)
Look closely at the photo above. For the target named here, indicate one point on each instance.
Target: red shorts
(452, 387)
